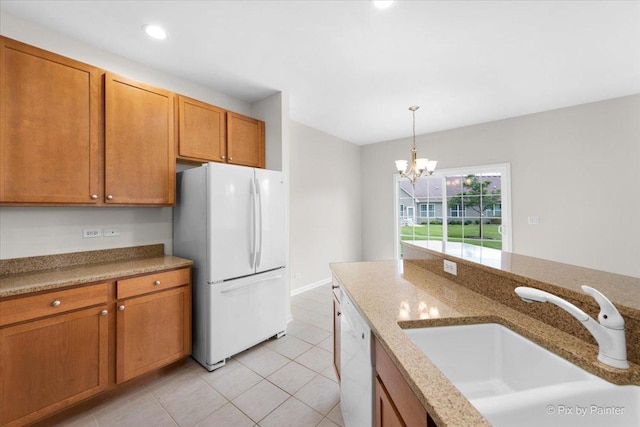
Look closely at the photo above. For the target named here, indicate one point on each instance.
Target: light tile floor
(285, 382)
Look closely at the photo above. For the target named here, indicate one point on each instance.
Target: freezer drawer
(244, 312)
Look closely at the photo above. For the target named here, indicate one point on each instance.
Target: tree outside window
(477, 197)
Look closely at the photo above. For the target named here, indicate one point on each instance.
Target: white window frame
(505, 171)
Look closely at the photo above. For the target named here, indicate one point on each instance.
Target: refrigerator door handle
(259, 215)
(252, 261)
(249, 283)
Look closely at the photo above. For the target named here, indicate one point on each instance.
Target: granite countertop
(390, 293)
(620, 289)
(35, 274)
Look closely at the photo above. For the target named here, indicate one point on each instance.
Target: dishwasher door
(356, 368)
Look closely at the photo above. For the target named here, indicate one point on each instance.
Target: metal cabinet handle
(121, 308)
(56, 303)
(223, 157)
(94, 196)
(109, 197)
(338, 313)
(157, 283)
(230, 159)
(334, 286)
(103, 313)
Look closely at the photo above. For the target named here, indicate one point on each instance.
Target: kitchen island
(391, 294)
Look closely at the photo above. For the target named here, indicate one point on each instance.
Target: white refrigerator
(230, 220)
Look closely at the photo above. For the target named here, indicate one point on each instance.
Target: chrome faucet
(609, 333)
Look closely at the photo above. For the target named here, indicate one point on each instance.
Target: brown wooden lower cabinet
(387, 414)
(58, 348)
(152, 331)
(396, 403)
(47, 365)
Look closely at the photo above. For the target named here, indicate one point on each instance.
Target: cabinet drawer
(32, 307)
(153, 282)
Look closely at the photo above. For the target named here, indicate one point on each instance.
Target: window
(427, 210)
(468, 206)
(495, 210)
(456, 211)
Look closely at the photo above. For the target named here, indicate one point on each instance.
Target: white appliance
(230, 220)
(356, 367)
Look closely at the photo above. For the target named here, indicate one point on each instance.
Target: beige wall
(577, 168)
(325, 204)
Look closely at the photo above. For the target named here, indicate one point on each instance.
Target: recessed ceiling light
(155, 32)
(382, 4)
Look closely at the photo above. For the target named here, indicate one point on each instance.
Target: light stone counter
(389, 293)
(21, 276)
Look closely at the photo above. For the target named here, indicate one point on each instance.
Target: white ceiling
(352, 70)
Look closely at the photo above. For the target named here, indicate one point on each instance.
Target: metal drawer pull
(94, 196)
(157, 283)
(103, 313)
(338, 313)
(121, 308)
(56, 303)
(334, 286)
(109, 197)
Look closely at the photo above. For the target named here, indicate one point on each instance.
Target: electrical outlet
(90, 233)
(111, 232)
(533, 220)
(451, 267)
(297, 276)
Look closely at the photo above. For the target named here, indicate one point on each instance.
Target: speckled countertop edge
(46, 280)
(390, 292)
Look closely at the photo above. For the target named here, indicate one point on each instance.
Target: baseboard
(310, 286)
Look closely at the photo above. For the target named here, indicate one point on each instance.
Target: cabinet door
(336, 335)
(245, 140)
(50, 128)
(139, 143)
(48, 364)
(202, 131)
(387, 414)
(152, 331)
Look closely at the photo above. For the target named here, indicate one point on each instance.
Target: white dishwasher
(356, 367)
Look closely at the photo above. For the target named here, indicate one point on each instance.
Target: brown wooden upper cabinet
(245, 140)
(210, 134)
(67, 139)
(202, 131)
(139, 143)
(50, 128)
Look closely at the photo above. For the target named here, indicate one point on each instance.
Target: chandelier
(418, 166)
